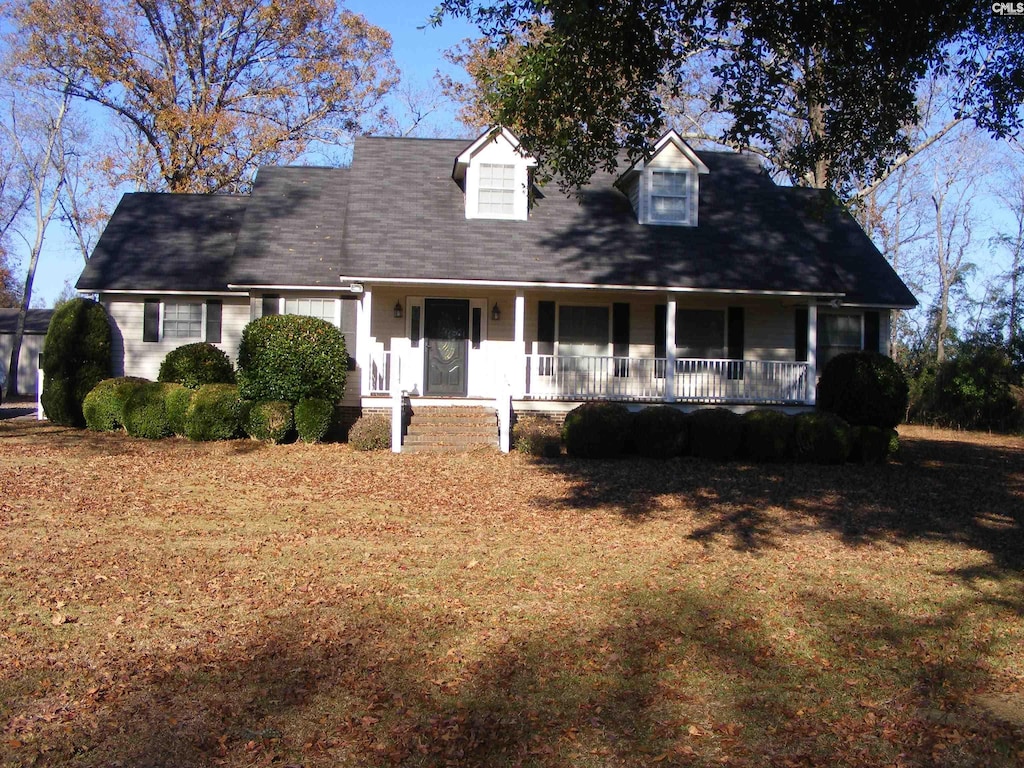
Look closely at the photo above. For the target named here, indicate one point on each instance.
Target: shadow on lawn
(953, 491)
(683, 677)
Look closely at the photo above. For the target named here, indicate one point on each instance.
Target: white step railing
(380, 373)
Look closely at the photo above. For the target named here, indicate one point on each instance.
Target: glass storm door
(446, 338)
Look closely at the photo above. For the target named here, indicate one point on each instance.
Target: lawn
(180, 604)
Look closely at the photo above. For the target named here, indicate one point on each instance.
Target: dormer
(494, 172)
(664, 188)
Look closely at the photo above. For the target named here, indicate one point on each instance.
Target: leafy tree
(208, 92)
(825, 87)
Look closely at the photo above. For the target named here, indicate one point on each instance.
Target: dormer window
(494, 174)
(670, 196)
(497, 194)
(664, 187)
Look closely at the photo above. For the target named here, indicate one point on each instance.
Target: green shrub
(270, 420)
(537, 436)
(76, 357)
(215, 413)
(103, 407)
(820, 438)
(177, 400)
(873, 445)
(864, 389)
(371, 432)
(145, 411)
(193, 365)
(313, 418)
(766, 434)
(290, 358)
(660, 432)
(597, 430)
(715, 433)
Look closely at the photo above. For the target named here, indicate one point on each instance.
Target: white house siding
(28, 361)
(134, 357)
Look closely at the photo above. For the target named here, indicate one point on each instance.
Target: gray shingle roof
(37, 321)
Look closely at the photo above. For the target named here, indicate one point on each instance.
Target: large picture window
(183, 320)
(837, 333)
(497, 189)
(582, 330)
(700, 333)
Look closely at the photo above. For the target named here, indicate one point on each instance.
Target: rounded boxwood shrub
(537, 436)
(820, 438)
(873, 445)
(715, 433)
(177, 399)
(290, 358)
(766, 434)
(193, 365)
(76, 357)
(371, 432)
(597, 430)
(103, 407)
(269, 420)
(145, 412)
(313, 418)
(660, 432)
(214, 413)
(864, 389)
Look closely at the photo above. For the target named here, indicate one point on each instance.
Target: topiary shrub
(76, 357)
(715, 433)
(103, 407)
(766, 434)
(193, 365)
(660, 432)
(270, 420)
(214, 413)
(145, 411)
(537, 436)
(313, 418)
(820, 438)
(597, 430)
(371, 432)
(864, 389)
(873, 445)
(177, 400)
(290, 358)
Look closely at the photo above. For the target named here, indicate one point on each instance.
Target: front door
(446, 339)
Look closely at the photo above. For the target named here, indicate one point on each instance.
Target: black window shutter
(271, 304)
(735, 342)
(660, 339)
(800, 334)
(546, 327)
(872, 328)
(620, 329)
(151, 320)
(214, 309)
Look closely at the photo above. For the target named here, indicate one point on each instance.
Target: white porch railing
(559, 377)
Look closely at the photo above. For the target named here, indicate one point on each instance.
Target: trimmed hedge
(821, 438)
(873, 445)
(103, 407)
(214, 413)
(76, 357)
(715, 433)
(145, 412)
(660, 432)
(313, 418)
(270, 420)
(177, 400)
(371, 432)
(193, 365)
(291, 358)
(766, 434)
(864, 389)
(537, 436)
(597, 430)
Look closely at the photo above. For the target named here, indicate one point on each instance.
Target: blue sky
(418, 53)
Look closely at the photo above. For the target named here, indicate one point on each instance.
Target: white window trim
(647, 197)
(480, 189)
(189, 339)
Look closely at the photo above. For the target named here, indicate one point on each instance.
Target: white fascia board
(153, 292)
(275, 287)
(491, 134)
(578, 286)
(659, 145)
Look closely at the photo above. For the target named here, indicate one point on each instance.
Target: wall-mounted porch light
(398, 310)
(495, 313)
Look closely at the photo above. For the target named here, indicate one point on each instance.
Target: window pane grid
(670, 198)
(497, 189)
(183, 321)
(322, 308)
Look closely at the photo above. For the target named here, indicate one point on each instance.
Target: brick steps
(450, 430)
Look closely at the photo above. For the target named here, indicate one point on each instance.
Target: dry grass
(237, 604)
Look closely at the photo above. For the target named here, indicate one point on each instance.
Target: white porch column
(364, 358)
(519, 366)
(397, 397)
(812, 353)
(670, 350)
